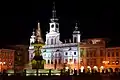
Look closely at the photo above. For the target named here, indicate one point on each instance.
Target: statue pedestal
(28, 66)
(38, 62)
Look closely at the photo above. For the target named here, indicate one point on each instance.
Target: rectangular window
(117, 54)
(112, 54)
(108, 54)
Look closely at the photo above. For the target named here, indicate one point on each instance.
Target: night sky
(96, 19)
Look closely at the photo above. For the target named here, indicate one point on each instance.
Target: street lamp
(105, 62)
(1, 65)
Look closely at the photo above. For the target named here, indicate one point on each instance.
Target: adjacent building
(6, 59)
(21, 56)
(95, 55)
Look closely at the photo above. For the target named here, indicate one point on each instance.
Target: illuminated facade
(92, 54)
(113, 58)
(56, 53)
(95, 55)
(6, 59)
(21, 55)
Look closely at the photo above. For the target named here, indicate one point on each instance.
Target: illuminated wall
(6, 58)
(95, 54)
(113, 56)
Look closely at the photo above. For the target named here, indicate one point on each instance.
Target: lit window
(117, 62)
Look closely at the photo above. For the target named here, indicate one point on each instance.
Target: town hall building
(58, 55)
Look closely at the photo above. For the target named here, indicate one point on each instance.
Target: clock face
(52, 26)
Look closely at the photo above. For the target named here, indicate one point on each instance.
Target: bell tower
(76, 34)
(53, 36)
(54, 25)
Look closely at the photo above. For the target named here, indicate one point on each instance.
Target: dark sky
(96, 19)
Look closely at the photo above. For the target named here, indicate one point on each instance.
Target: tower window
(52, 26)
(56, 26)
(75, 39)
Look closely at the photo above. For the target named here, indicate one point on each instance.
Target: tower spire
(33, 33)
(53, 11)
(76, 26)
(38, 34)
(53, 19)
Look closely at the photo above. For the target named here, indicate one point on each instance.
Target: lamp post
(1, 65)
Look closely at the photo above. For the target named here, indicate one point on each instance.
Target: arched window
(52, 26)
(74, 61)
(75, 39)
(51, 41)
(48, 61)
